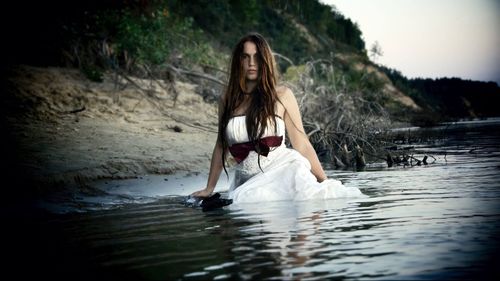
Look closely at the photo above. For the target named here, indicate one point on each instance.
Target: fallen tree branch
(196, 74)
(164, 112)
(284, 58)
(318, 129)
(74, 110)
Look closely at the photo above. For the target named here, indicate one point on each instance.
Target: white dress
(285, 174)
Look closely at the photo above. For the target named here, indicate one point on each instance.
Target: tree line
(449, 98)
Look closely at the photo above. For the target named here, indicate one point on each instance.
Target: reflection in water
(439, 221)
(292, 233)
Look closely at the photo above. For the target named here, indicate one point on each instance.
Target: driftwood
(284, 58)
(75, 110)
(346, 121)
(345, 155)
(359, 156)
(154, 102)
(338, 163)
(407, 160)
(354, 158)
(197, 74)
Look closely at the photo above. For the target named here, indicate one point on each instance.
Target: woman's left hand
(321, 180)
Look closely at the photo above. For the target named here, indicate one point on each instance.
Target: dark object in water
(214, 202)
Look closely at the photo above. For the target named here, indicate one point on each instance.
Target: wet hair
(261, 110)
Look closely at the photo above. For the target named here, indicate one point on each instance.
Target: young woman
(254, 114)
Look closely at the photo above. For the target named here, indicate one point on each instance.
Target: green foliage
(358, 79)
(146, 38)
(121, 33)
(293, 73)
(93, 73)
(227, 21)
(159, 37)
(121, 37)
(326, 22)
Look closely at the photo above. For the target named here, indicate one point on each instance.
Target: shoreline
(50, 147)
(107, 194)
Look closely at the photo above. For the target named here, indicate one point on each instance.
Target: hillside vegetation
(347, 100)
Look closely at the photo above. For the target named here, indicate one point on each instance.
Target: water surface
(437, 221)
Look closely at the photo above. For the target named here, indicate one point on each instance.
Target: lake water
(437, 221)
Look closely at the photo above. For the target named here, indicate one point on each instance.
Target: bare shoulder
(284, 93)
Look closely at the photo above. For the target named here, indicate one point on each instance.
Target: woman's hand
(322, 179)
(202, 193)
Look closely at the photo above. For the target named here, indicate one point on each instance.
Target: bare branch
(197, 74)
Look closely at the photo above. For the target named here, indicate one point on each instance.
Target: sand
(65, 131)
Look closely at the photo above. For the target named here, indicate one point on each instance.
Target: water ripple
(440, 221)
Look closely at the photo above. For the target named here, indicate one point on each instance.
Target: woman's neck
(250, 86)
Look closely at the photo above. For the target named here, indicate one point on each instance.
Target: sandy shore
(63, 130)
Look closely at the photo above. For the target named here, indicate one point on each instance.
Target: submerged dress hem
(284, 174)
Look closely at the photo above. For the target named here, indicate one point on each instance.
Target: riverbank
(64, 131)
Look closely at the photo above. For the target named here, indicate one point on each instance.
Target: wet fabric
(284, 174)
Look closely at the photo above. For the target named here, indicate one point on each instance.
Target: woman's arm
(215, 170)
(215, 164)
(297, 135)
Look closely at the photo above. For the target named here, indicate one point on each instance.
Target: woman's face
(249, 59)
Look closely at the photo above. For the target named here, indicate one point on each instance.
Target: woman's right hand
(202, 193)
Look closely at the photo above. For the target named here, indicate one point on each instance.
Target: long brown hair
(263, 98)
